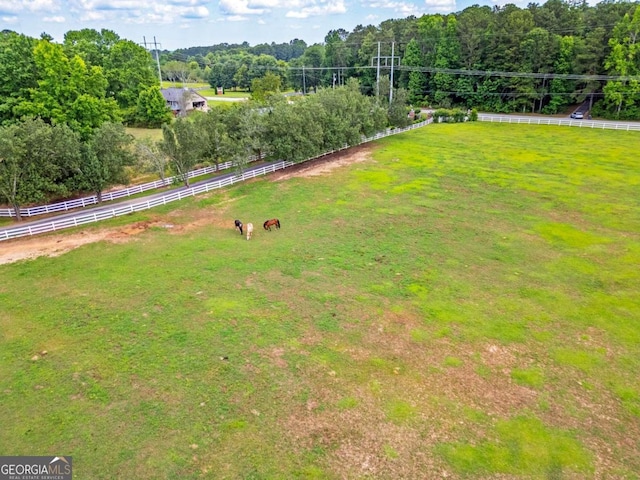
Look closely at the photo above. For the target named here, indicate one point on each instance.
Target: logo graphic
(36, 468)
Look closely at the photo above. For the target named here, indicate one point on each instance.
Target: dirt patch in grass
(325, 164)
(53, 246)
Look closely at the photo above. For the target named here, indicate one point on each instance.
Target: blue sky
(187, 23)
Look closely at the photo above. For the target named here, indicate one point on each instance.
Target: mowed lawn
(464, 303)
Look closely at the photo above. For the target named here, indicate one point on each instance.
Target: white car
(577, 115)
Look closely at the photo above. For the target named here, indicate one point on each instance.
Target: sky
(189, 23)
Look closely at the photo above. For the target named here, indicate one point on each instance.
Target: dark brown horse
(239, 226)
(271, 223)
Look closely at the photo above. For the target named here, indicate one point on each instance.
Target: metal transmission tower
(155, 47)
(385, 61)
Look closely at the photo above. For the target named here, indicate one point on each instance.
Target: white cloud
(8, 7)
(40, 5)
(318, 8)
(138, 12)
(240, 7)
(9, 19)
(296, 8)
(13, 6)
(442, 5)
(91, 16)
(55, 19)
(193, 12)
(237, 18)
(109, 4)
(188, 3)
(402, 8)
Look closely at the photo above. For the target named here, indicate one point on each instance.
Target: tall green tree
(17, 71)
(447, 57)
(624, 61)
(216, 145)
(129, 70)
(294, 131)
(176, 71)
(345, 115)
(261, 87)
(247, 126)
(416, 83)
(68, 91)
(90, 45)
(539, 49)
(560, 88)
(36, 159)
(336, 56)
(473, 30)
(152, 110)
(150, 158)
(104, 158)
(367, 55)
(182, 143)
(312, 60)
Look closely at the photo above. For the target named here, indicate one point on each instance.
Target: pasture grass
(198, 85)
(465, 301)
(154, 134)
(211, 94)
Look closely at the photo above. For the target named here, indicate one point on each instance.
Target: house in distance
(181, 101)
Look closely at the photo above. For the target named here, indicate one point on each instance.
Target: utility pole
(157, 60)
(378, 74)
(304, 82)
(155, 44)
(391, 83)
(334, 80)
(388, 62)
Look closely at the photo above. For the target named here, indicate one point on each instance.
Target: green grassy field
(210, 93)
(154, 134)
(463, 303)
(167, 84)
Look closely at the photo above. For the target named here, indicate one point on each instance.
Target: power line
(489, 73)
(485, 73)
(517, 94)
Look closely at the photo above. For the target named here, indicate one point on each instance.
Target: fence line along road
(83, 218)
(600, 124)
(109, 196)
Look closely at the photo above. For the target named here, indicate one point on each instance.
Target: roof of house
(175, 94)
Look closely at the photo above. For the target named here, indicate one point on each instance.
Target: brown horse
(274, 222)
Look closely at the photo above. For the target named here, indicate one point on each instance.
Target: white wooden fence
(83, 218)
(569, 122)
(109, 196)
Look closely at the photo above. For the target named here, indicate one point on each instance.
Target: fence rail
(109, 196)
(559, 121)
(83, 218)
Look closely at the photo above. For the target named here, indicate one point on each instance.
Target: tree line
(542, 58)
